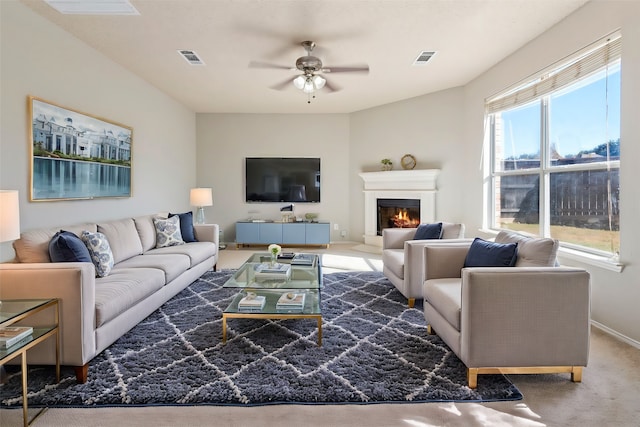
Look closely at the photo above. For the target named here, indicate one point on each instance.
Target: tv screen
(282, 179)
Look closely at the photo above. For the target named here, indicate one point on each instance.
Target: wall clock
(408, 161)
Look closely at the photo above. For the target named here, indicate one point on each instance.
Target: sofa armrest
(445, 260)
(73, 283)
(394, 238)
(525, 316)
(207, 233)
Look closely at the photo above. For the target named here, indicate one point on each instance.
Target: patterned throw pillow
(168, 232)
(100, 252)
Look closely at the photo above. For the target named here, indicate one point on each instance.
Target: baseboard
(616, 334)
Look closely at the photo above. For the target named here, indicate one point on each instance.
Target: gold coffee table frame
(303, 279)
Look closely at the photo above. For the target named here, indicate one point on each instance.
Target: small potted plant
(387, 164)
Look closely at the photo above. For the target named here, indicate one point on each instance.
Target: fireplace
(398, 213)
(415, 186)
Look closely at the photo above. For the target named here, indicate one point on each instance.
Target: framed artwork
(75, 155)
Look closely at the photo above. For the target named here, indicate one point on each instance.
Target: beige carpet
(609, 394)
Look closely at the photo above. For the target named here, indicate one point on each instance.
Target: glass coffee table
(288, 290)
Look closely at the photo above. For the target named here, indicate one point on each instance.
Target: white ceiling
(470, 36)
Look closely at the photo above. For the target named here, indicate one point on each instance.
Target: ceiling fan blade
(285, 84)
(359, 69)
(258, 64)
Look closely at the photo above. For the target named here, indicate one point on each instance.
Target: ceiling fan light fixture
(299, 81)
(309, 87)
(319, 81)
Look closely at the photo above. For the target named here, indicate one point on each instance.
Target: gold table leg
(224, 329)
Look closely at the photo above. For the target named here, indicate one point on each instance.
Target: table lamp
(201, 197)
(9, 215)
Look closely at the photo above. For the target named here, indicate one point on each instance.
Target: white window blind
(579, 67)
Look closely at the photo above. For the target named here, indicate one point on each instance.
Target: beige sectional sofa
(96, 311)
(533, 317)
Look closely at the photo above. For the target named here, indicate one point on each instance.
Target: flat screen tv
(282, 179)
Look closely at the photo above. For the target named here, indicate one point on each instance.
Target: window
(555, 152)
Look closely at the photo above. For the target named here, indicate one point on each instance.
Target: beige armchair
(403, 257)
(530, 318)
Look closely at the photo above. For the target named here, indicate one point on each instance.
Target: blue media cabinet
(282, 233)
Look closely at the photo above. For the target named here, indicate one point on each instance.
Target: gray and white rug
(375, 350)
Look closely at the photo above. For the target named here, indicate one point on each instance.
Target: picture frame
(75, 155)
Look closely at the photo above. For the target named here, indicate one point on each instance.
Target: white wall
(40, 59)
(426, 126)
(224, 140)
(615, 296)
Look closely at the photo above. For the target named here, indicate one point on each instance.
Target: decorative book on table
(291, 301)
(303, 259)
(252, 303)
(10, 335)
(276, 271)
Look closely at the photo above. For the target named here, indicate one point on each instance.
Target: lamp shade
(9, 215)
(201, 197)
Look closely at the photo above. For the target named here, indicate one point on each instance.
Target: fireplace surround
(420, 185)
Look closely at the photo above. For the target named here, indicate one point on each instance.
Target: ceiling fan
(311, 79)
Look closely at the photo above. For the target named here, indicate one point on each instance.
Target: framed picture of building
(75, 155)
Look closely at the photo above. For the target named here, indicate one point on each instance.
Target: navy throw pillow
(490, 254)
(186, 226)
(428, 231)
(65, 246)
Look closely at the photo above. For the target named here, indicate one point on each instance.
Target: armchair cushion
(428, 231)
(490, 254)
(532, 251)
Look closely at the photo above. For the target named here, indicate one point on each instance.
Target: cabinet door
(317, 234)
(247, 232)
(293, 234)
(270, 233)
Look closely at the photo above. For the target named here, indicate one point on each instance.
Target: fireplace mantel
(422, 179)
(405, 184)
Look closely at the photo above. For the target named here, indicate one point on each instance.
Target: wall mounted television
(282, 179)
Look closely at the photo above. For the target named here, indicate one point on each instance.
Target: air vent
(93, 7)
(191, 57)
(423, 58)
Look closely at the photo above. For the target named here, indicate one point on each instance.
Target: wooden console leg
(82, 373)
(412, 302)
(472, 377)
(576, 374)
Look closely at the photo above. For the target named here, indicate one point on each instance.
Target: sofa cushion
(452, 230)
(393, 259)
(428, 231)
(490, 254)
(123, 289)
(123, 237)
(65, 246)
(100, 252)
(532, 251)
(186, 226)
(146, 231)
(445, 294)
(168, 232)
(172, 265)
(33, 245)
(196, 251)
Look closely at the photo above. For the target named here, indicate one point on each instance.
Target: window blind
(569, 72)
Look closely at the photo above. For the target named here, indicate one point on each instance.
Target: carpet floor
(375, 350)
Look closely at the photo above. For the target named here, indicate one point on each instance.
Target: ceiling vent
(93, 7)
(424, 57)
(191, 57)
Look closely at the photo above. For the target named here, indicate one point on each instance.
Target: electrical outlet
(336, 227)
(343, 233)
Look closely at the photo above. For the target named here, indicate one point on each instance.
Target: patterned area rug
(375, 350)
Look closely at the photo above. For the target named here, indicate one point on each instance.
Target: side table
(13, 311)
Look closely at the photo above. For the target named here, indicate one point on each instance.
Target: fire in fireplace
(398, 213)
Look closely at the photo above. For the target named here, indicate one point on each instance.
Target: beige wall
(615, 296)
(40, 59)
(224, 140)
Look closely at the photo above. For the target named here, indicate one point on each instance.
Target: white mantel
(404, 184)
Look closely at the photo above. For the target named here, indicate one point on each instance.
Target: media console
(282, 233)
